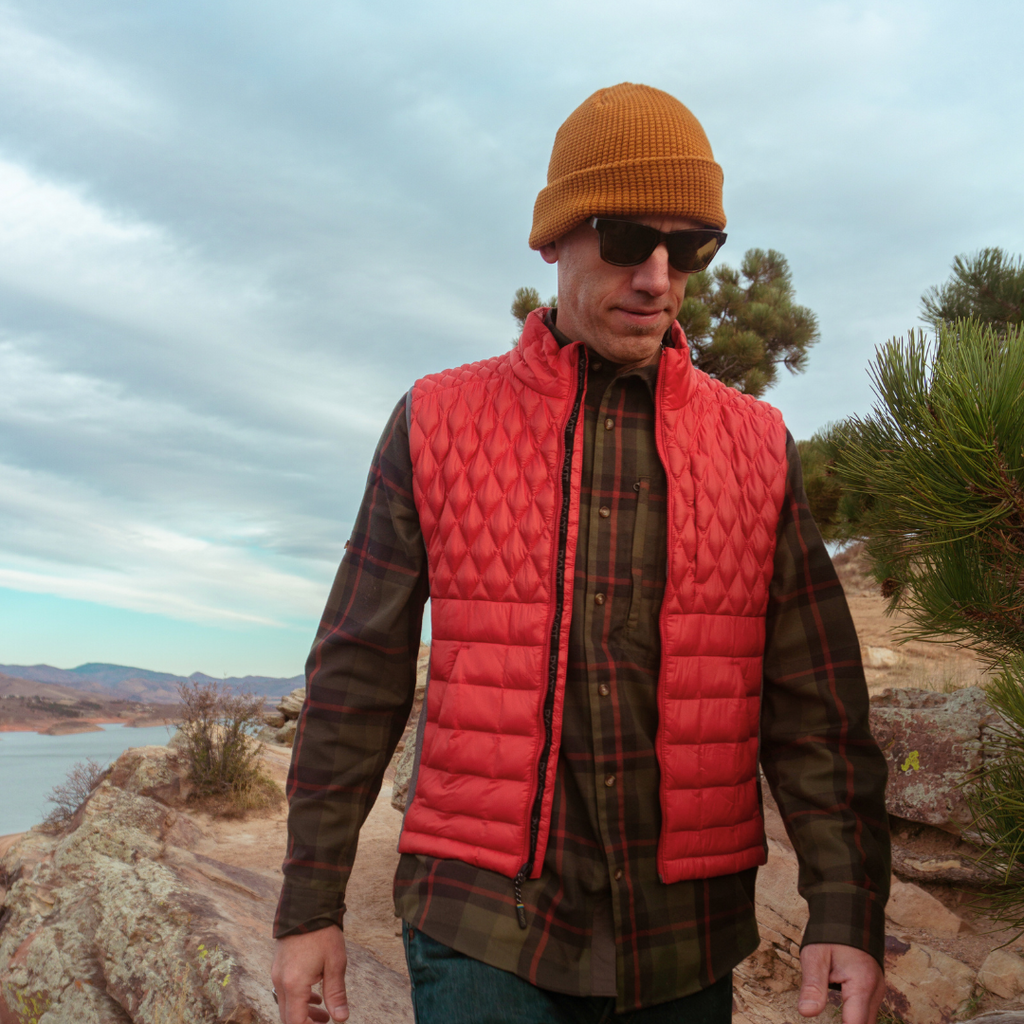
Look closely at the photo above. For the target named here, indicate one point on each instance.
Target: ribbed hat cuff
(670, 186)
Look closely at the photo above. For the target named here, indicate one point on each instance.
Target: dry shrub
(224, 757)
(67, 797)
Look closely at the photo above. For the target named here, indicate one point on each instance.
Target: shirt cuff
(847, 916)
(301, 910)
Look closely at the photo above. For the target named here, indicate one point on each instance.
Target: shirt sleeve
(360, 681)
(822, 764)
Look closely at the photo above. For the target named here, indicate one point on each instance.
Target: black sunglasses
(624, 243)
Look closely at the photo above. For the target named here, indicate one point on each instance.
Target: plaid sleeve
(360, 680)
(824, 768)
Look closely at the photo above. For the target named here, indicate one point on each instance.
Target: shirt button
(609, 424)
(599, 599)
(618, 875)
(604, 511)
(604, 689)
(636, 486)
(595, 366)
(609, 781)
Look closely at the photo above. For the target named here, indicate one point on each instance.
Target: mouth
(641, 317)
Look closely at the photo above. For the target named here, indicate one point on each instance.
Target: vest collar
(545, 366)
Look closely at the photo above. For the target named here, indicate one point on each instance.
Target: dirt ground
(258, 843)
(917, 665)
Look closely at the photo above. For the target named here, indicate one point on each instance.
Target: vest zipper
(556, 629)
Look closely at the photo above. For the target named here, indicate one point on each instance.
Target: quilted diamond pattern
(486, 446)
(486, 442)
(727, 455)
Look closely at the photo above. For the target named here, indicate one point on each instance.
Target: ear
(549, 252)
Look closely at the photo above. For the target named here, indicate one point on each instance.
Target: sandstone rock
(779, 906)
(406, 753)
(122, 921)
(403, 776)
(1002, 973)
(286, 734)
(999, 1017)
(267, 735)
(930, 740)
(911, 907)
(291, 705)
(924, 986)
(275, 719)
(880, 657)
(950, 869)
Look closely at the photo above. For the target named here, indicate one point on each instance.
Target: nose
(652, 276)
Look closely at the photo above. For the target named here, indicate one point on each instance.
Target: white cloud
(43, 72)
(63, 539)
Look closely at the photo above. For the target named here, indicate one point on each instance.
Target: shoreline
(41, 727)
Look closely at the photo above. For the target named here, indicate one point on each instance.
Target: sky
(233, 234)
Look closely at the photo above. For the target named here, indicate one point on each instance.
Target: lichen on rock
(117, 921)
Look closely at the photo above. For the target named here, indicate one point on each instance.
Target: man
(630, 604)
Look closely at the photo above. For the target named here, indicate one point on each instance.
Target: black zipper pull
(518, 887)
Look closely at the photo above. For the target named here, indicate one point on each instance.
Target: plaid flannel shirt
(600, 923)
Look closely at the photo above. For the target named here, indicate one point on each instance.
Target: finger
(856, 1004)
(316, 1012)
(294, 1003)
(815, 965)
(335, 996)
(861, 1001)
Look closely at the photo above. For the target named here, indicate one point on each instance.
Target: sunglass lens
(692, 252)
(625, 244)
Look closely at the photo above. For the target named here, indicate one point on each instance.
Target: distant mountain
(143, 684)
(12, 687)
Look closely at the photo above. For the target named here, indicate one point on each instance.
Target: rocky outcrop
(121, 920)
(930, 741)
(281, 724)
(406, 750)
(923, 984)
(291, 704)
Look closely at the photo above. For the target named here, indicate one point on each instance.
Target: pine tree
(988, 286)
(524, 302)
(825, 493)
(740, 324)
(936, 480)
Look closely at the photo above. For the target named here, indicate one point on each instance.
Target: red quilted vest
(496, 451)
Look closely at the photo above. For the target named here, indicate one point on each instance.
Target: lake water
(31, 765)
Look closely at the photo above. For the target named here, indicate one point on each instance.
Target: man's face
(620, 312)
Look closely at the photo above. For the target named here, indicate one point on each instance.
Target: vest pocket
(643, 489)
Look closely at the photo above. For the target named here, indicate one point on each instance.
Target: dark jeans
(451, 988)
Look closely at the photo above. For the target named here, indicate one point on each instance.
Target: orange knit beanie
(628, 151)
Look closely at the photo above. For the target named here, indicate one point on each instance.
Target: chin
(637, 331)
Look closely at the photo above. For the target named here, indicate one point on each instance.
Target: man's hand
(858, 972)
(299, 963)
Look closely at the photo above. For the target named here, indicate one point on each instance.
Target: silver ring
(273, 992)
